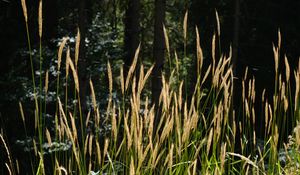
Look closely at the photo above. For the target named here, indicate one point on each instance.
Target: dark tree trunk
(237, 82)
(235, 44)
(114, 18)
(82, 60)
(158, 54)
(132, 30)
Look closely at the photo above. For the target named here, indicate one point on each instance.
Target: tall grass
(194, 136)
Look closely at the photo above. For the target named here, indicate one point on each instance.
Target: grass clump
(197, 135)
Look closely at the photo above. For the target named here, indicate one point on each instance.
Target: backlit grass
(198, 135)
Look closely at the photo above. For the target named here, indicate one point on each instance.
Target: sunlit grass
(197, 135)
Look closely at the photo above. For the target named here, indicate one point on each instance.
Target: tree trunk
(236, 35)
(82, 60)
(235, 46)
(114, 18)
(237, 88)
(132, 30)
(158, 54)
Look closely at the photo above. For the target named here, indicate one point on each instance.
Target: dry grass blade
(248, 161)
(60, 50)
(151, 122)
(62, 169)
(77, 48)
(161, 153)
(93, 95)
(199, 53)
(140, 80)
(167, 129)
(110, 79)
(46, 81)
(98, 153)
(91, 144)
(106, 144)
(143, 82)
(206, 74)
(276, 58)
(266, 111)
(18, 167)
(128, 134)
(75, 76)
(41, 168)
(132, 169)
(145, 153)
(40, 18)
(22, 112)
(287, 69)
(185, 25)
(180, 95)
(171, 156)
(24, 10)
(271, 118)
(218, 23)
(166, 40)
(122, 80)
(194, 167)
(279, 39)
(87, 119)
(209, 141)
(74, 129)
(223, 154)
(132, 67)
(69, 133)
(213, 53)
(67, 62)
(177, 62)
(114, 128)
(10, 167)
(48, 137)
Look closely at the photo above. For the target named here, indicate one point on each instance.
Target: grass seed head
(114, 128)
(74, 72)
(48, 137)
(60, 50)
(40, 21)
(287, 69)
(106, 144)
(110, 78)
(185, 25)
(22, 112)
(218, 24)
(166, 40)
(77, 45)
(98, 153)
(209, 141)
(46, 81)
(93, 95)
(199, 53)
(24, 10)
(91, 145)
